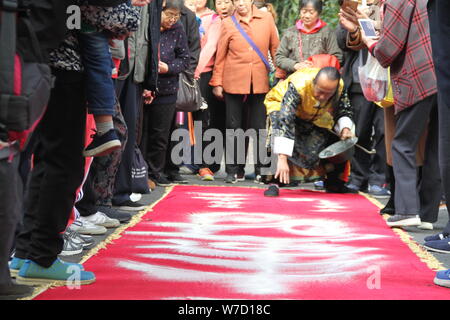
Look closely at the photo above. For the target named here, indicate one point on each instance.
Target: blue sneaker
(379, 192)
(439, 236)
(103, 145)
(319, 185)
(442, 246)
(58, 274)
(16, 263)
(353, 187)
(442, 278)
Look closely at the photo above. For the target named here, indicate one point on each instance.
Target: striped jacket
(405, 46)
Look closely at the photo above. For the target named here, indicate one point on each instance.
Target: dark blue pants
(97, 62)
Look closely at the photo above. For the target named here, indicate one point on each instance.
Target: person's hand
(348, 20)
(369, 42)
(163, 67)
(149, 96)
(346, 133)
(218, 92)
(140, 3)
(303, 64)
(282, 169)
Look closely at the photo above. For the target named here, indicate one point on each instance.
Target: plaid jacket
(405, 46)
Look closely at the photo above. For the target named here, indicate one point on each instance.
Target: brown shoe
(151, 184)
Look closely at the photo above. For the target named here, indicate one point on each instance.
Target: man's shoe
(113, 213)
(151, 184)
(379, 192)
(162, 181)
(436, 237)
(206, 174)
(442, 246)
(58, 273)
(71, 246)
(240, 176)
(101, 219)
(103, 145)
(15, 291)
(85, 227)
(425, 226)
(273, 191)
(338, 188)
(319, 185)
(16, 263)
(442, 278)
(87, 242)
(176, 178)
(132, 206)
(231, 178)
(400, 220)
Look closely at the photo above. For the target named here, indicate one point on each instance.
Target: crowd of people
(105, 137)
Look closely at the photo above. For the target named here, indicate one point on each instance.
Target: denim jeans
(97, 62)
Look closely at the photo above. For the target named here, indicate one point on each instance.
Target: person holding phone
(405, 46)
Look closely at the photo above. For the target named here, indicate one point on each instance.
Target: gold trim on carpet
(110, 239)
(424, 256)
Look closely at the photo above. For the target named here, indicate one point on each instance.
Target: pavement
(416, 234)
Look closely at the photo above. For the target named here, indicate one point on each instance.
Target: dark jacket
(154, 24)
(175, 52)
(350, 58)
(191, 27)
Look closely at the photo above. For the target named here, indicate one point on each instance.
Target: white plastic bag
(374, 79)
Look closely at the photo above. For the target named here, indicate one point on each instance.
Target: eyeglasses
(172, 16)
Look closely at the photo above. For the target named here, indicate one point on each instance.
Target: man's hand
(346, 133)
(218, 92)
(140, 3)
(149, 96)
(282, 169)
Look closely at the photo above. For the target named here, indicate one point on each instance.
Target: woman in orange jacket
(241, 78)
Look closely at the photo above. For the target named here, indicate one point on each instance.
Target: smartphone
(368, 28)
(351, 4)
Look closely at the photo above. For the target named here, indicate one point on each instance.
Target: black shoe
(14, 291)
(389, 208)
(176, 178)
(231, 178)
(162, 181)
(103, 145)
(132, 206)
(273, 191)
(113, 213)
(337, 187)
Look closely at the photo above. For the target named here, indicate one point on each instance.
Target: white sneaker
(71, 246)
(425, 226)
(101, 219)
(86, 227)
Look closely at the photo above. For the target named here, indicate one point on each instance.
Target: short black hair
(174, 4)
(317, 5)
(331, 73)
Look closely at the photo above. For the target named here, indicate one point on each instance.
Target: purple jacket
(175, 52)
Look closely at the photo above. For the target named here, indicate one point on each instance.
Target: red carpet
(233, 243)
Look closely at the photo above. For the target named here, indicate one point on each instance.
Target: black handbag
(189, 97)
(24, 86)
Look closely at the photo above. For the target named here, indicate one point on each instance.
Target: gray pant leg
(410, 123)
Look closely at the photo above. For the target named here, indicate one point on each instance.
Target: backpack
(24, 86)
